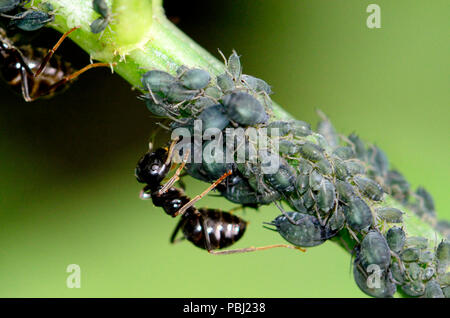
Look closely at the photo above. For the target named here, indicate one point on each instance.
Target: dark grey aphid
(158, 108)
(369, 187)
(374, 250)
(256, 84)
(287, 147)
(414, 289)
(244, 109)
(99, 25)
(283, 127)
(397, 185)
(336, 221)
(234, 66)
(415, 271)
(397, 273)
(386, 289)
(345, 190)
(355, 167)
(300, 128)
(31, 20)
(9, 5)
(411, 254)
(443, 253)
(306, 231)
(433, 290)
(239, 191)
(396, 238)
(378, 160)
(358, 145)
(283, 180)
(443, 226)
(426, 257)
(315, 180)
(426, 202)
(311, 152)
(390, 215)
(225, 82)
(446, 291)
(213, 92)
(327, 130)
(304, 167)
(195, 79)
(302, 183)
(178, 93)
(157, 81)
(324, 166)
(340, 170)
(326, 196)
(428, 273)
(417, 241)
(101, 8)
(344, 152)
(214, 117)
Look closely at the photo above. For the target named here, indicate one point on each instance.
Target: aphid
(214, 163)
(311, 152)
(397, 273)
(378, 160)
(324, 166)
(411, 254)
(99, 25)
(443, 254)
(33, 72)
(390, 215)
(354, 167)
(326, 129)
(433, 290)
(158, 82)
(225, 82)
(397, 185)
(396, 239)
(287, 147)
(213, 92)
(415, 271)
(302, 183)
(359, 147)
(385, 289)
(414, 289)
(326, 196)
(31, 20)
(357, 213)
(283, 180)
(283, 127)
(244, 109)
(417, 241)
(234, 66)
(178, 93)
(344, 152)
(340, 170)
(369, 187)
(214, 117)
(300, 128)
(428, 273)
(315, 180)
(336, 221)
(206, 228)
(426, 202)
(256, 84)
(195, 79)
(306, 231)
(9, 5)
(426, 257)
(374, 250)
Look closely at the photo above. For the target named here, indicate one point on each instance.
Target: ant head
(153, 167)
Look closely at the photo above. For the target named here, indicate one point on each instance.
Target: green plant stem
(161, 45)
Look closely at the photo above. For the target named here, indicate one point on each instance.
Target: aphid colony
(331, 183)
(31, 19)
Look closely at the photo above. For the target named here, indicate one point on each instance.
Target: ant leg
(53, 50)
(198, 197)
(175, 231)
(254, 249)
(175, 177)
(24, 84)
(70, 78)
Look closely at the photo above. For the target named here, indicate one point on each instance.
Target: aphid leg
(70, 78)
(176, 176)
(53, 50)
(285, 213)
(254, 249)
(355, 237)
(198, 197)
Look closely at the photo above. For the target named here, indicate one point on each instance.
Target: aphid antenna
(269, 228)
(162, 126)
(254, 249)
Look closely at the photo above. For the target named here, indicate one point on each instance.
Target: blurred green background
(67, 189)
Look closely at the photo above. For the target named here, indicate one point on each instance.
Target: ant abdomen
(223, 229)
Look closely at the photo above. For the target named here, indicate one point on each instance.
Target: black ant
(209, 229)
(31, 70)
